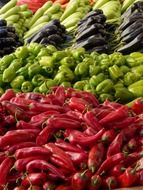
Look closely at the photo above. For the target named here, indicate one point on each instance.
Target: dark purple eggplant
(90, 42)
(3, 33)
(132, 27)
(134, 45)
(3, 22)
(13, 35)
(7, 42)
(100, 49)
(133, 35)
(55, 38)
(44, 41)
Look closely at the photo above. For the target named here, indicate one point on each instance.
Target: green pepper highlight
(17, 82)
(38, 79)
(22, 52)
(34, 69)
(9, 74)
(105, 86)
(26, 86)
(96, 79)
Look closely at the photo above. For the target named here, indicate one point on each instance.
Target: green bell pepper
(137, 88)
(17, 82)
(43, 52)
(66, 84)
(82, 69)
(36, 89)
(50, 83)
(106, 96)
(130, 78)
(94, 70)
(117, 59)
(131, 62)
(43, 88)
(9, 74)
(80, 84)
(2, 84)
(59, 55)
(22, 52)
(138, 70)
(46, 61)
(78, 53)
(34, 48)
(34, 69)
(38, 79)
(104, 64)
(124, 95)
(115, 72)
(68, 61)
(6, 61)
(24, 71)
(26, 86)
(51, 49)
(105, 86)
(119, 84)
(16, 64)
(96, 79)
(124, 69)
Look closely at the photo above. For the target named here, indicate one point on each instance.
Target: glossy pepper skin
(95, 182)
(137, 106)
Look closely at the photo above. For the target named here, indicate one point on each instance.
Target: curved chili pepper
(117, 170)
(77, 137)
(27, 125)
(20, 164)
(116, 115)
(44, 166)
(111, 162)
(49, 185)
(137, 106)
(92, 121)
(7, 95)
(21, 102)
(45, 107)
(32, 151)
(101, 112)
(12, 149)
(132, 158)
(95, 157)
(2, 156)
(95, 183)
(90, 131)
(61, 155)
(108, 136)
(115, 146)
(18, 136)
(80, 180)
(90, 98)
(75, 115)
(60, 94)
(34, 179)
(14, 110)
(9, 120)
(77, 157)
(5, 167)
(113, 105)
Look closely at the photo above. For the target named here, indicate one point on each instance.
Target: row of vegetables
(67, 140)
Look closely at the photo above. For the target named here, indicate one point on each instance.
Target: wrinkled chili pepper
(77, 137)
(128, 178)
(2, 156)
(5, 167)
(101, 112)
(18, 136)
(116, 115)
(45, 166)
(108, 136)
(31, 151)
(90, 98)
(7, 95)
(80, 180)
(111, 162)
(115, 146)
(95, 157)
(34, 179)
(58, 153)
(92, 121)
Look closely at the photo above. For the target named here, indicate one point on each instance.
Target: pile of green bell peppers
(38, 68)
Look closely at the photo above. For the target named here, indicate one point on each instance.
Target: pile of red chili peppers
(66, 140)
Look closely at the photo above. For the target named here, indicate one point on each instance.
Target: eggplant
(130, 20)
(7, 42)
(55, 38)
(91, 14)
(12, 35)
(134, 45)
(100, 49)
(87, 32)
(132, 35)
(132, 27)
(44, 41)
(8, 50)
(28, 40)
(90, 42)
(3, 33)
(3, 22)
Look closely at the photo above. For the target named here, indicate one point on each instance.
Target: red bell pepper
(95, 157)
(95, 183)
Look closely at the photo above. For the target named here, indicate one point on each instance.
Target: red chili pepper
(5, 167)
(21, 102)
(32, 151)
(140, 141)
(2, 156)
(7, 95)
(60, 94)
(108, 136)
(132, 158)
(77, 137)
(48, 185)
(53, 100)
(78, 104)
(70, 92)
(67, 146)
(44, 166)
(90, 131)
(77, 157)
(18, 136)
(64, 187)
(130, 131)
(116, 115)
(133, 144)
(117, 170)
(9, 120)
(95, 157)
(75, 115)
(140, 174)
(20, 164)
(14, 110)
(32, 96)
(128, 178)
(115, 146)
(95, 182)
(111, 182)
(113, 105)
(92, 121)
(101, 112)
(111, 162)
(80, 180)
(27, 125)
(34, 187)
(140, 164)
(34, 179)
(137, 106)
(90, 98)
(12, 149)
(61, 155)
(19, 188)
(44, 107)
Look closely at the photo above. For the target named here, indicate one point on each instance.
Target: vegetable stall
(71, 95)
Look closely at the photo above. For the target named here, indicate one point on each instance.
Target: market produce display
(68, 140)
